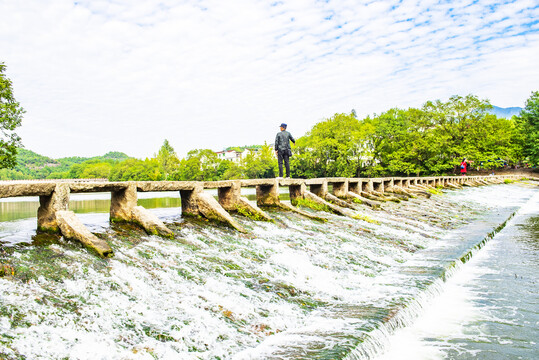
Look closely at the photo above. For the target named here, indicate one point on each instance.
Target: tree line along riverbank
(431, 140)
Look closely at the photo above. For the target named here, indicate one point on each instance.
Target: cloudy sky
(98, 75)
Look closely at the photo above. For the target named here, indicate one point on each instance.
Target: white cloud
(105, 75)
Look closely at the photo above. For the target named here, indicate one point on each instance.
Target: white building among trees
(236, 155)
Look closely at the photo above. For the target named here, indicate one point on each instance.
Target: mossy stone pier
(231, 200)
(54, 216)
(49, 204)
(267, 194)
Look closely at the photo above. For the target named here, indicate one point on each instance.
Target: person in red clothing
(463, 167)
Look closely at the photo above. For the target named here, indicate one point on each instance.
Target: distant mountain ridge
(31, 165)
(25, 157)
(505, 112)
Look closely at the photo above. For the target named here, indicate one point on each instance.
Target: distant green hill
(31, 165)
(34, 160)
(115, 155)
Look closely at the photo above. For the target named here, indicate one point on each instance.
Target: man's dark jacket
(282, 141)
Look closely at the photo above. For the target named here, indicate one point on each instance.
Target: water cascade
(292, 288)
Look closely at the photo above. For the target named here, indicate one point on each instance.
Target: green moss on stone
(365, 218)
(435, 191)
(313, 205)
(48, 230)
(251, 215)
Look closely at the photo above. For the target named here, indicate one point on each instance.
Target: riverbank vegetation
(11, 114)
(431, 140)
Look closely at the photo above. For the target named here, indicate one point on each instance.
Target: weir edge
(375, 341)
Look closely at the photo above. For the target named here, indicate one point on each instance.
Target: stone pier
(231, 200)
(53, 216)
(297, 192)
(197, 202)
(123, 208)
(340, 189)
(267, 194)
(49, 204)
(72, 228)
(122, 203)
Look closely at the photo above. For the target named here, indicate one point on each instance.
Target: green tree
(458, 121)
(396, 143)
(261, 164)
(167, 158)
(58, 175)
(99, 170)
(223, 168)
(470, 131)
(338, 146)
(528, 128)
(200, 164)
(233, 171)
(10, 118)
(75, 171)
(136, 170)
(435, 138)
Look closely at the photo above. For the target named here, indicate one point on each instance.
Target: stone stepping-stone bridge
(54, 215)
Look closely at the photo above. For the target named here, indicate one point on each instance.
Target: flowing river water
(450, 277)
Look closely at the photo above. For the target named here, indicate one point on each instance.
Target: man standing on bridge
(283, 150)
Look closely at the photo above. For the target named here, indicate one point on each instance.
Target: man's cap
(283, 125)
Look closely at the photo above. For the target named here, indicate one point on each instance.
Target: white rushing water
(294, 289)
(461, 321)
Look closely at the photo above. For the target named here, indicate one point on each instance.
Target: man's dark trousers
(283, 155)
